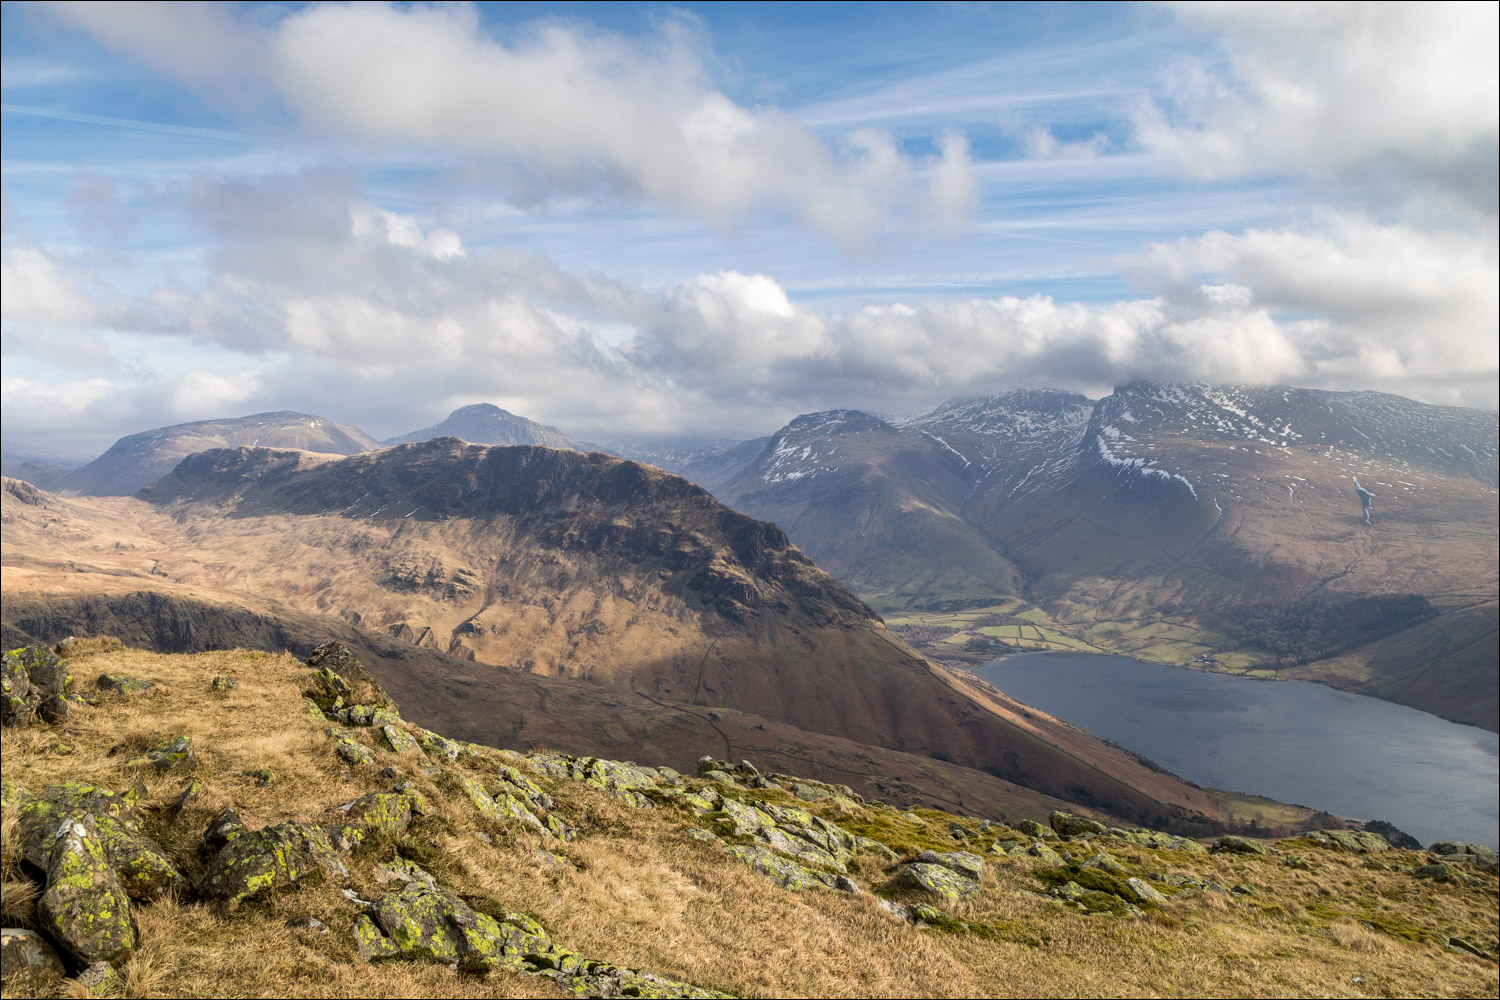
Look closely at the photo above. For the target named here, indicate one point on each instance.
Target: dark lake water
(1297, 742)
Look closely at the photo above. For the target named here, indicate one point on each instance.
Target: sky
(664, 220)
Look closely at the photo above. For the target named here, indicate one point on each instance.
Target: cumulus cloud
(321, 301)
(951, 185)
(91, 412)
(1336, 88)
(38, 290)
(1411, 310)
(574, 110)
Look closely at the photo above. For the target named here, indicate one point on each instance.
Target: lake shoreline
(1382, 760)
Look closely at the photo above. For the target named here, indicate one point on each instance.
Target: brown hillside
(628, 581)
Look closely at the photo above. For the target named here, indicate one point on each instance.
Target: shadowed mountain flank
(138, 459)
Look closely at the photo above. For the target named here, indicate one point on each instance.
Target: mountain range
(544, 596)
(1192, 524)
(549, 597)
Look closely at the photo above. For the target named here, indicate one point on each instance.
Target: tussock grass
(640, 893)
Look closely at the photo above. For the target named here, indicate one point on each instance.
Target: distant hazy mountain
(709, 462)
(139, 459)
(1199, 505)
(1004, 431)
(880, 506)
(42, 467)
(484, 423)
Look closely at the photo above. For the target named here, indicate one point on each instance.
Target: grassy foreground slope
(592, 877)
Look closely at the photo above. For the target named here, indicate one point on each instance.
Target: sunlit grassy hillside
(469, 871)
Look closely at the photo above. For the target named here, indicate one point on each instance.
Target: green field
(1165, 640)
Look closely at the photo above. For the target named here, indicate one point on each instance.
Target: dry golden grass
(643, 895)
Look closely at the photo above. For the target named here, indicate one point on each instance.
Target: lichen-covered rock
(1009, 846)
(368, 715)
(140, 864)
(626, 782)
(115, 684)
(1355, 841)
(970, 866)
(223, 828)
(519, 785)
(1144, 892)
(1458, 852)
(85, 908)
(1187, 845)
(351, 749)
(937, 881)
(785, 872)
(276, 856)
(440, 748)
(386, 812)
(172, 753)
(810, 793)
(1242, 845)
(1070, 827)
(398, 740)
(1038, 849)
(33, 682)
(500, 807)
(1036, 831)
(223, 685)
(1104, 861)
(27, 960)
(423, 921)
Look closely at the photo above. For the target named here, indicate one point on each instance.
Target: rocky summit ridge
(246, 823)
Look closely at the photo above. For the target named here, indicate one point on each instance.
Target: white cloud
(404, 231)
(1331, 88)
(36, 289)
(1412, 310)
(1042, 144)
(92, 412)
(322, 302)
(575, 111)
(951, 185)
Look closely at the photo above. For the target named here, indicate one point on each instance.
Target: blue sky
(706, 219)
